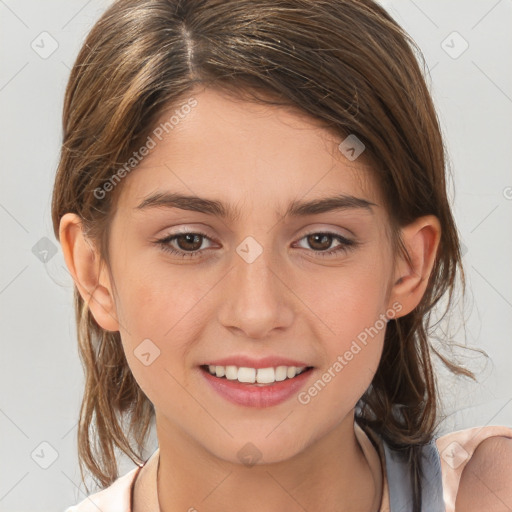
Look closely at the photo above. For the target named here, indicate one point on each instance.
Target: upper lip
(250, 362)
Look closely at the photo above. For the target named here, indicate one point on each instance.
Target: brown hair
(344, 62)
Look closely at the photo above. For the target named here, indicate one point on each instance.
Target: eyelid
(329, 230)
(174, 234)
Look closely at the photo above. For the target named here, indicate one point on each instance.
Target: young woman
(251, 200)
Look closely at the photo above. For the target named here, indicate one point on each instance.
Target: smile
(255, 375)
(240, 385)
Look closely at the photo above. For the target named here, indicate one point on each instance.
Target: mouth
(255, 377)
(256, 387)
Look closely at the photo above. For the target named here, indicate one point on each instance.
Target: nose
(255, 297)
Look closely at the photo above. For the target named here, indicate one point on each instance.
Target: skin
(290, 301)
(486, 481)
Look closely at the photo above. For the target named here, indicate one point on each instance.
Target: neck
(332, 473)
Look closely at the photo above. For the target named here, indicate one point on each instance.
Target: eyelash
(346, 246)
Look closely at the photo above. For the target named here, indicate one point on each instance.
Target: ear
(88, 272)
(421, 238)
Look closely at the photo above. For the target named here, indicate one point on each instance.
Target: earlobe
(421, 238)
(89, 275)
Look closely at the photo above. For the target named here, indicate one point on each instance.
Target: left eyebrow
(219, 209)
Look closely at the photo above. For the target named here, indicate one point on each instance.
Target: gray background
(41, 376)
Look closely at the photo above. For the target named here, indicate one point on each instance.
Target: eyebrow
(219, 209)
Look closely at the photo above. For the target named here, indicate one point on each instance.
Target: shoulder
(486, 481)
(476, 467)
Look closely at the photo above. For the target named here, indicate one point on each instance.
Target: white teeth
(231, 372)
(253, 375)
(247, 374)
(281, 373)
(265, 375)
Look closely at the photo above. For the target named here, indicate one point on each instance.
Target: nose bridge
(255, 299)
(255, 266)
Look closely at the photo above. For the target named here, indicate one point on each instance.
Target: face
(255, 287)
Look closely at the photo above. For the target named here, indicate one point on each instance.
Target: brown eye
(184, 245)
(320, 241)
(189, 241)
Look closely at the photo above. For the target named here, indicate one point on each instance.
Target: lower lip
(251, 395)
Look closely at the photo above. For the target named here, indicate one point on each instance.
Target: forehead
(246, 153)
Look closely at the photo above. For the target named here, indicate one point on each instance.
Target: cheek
(354, 310)
(158, 301)
(351, 306)
(349, 299)
(349, 368)
(162, 312)
(161, 319)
